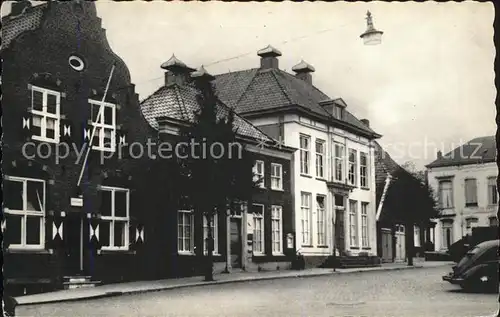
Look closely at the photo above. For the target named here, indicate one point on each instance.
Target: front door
(386, 246)
(73, 232)
(235, 230)
(340, 230)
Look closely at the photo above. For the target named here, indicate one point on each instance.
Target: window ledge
(366, 248)
(322, 246)
(474, 205)
(307, 246)
(259, 254)
(305, 175)
(115, 251)
(16, 250)
(185, 253)
(322, 179)
(354, 248)
(213, 254)
(42, 139)
(278, 254)
(278, 189)
(365, 188)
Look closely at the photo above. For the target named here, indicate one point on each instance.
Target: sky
(428, 86)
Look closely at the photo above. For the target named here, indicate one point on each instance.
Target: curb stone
(202, 283)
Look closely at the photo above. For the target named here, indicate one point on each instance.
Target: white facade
(314, 227)
(460, 214)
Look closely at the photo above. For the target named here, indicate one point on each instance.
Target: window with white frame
(276, 176)
(185, 231)
(492, 191)
(339, 162)
(445, 194)
(24, 206)
(353, 222)
(447, 233)
(363, 169)
(321, 220)
(470, 223)
(352, 169)
(215, 234)
(365, 242)
(305, 221)
(416, 235)
(115, 219)
(305, 144)
(258, 228)
(277, 229)
(470, 192)
(45, 108)
(320, 158)
(258, 171)
(103, 117)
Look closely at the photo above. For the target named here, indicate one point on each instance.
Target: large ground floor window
(24, 207)
(115, 219)
(185, 231)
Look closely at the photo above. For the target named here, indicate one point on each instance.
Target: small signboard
(76, 202)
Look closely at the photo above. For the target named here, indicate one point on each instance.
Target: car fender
(484, 267)
(474, 270)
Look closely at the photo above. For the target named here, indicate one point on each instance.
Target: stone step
(77, 278)
(73, 285)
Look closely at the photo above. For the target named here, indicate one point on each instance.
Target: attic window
(76, 63)
(337, 112)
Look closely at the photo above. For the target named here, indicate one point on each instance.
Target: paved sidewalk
(158, 285)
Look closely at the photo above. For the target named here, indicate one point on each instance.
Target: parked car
(478, 269)
(458, 249)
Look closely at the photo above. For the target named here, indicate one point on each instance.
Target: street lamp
(371, 36)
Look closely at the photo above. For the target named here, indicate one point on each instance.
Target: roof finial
(371, 36)
(369, 20)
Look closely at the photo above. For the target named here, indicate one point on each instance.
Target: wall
(294, 125)
(40, 58)
(460, 212)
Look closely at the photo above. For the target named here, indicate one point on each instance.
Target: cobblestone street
(419, 292)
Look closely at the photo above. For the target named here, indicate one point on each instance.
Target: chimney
(18, 7)
(303, 71)
(202, 74)
(365, 122)
(439, 155)
(269, 57)
(177, 72)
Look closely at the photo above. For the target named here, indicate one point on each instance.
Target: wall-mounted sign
(77, 202)
(289, 240)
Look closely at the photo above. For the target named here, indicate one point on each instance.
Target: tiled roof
(261, 89)
(476, 151)
(13, 26)
(384, 165)
(179, 102)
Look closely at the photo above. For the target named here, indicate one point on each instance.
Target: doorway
(386, 245)
(400, 243)
(235, 238)
(74, 244)
(340, 230)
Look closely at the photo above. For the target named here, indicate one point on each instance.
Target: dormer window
(45, 108)
(103, 117)
(337, 112)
